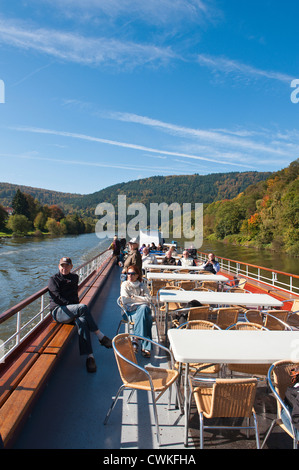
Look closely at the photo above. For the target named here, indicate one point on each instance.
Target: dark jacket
(292, 399)
(63, 290)
(167, 260)
(133, 259)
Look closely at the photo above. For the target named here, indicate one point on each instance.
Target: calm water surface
(27, 264)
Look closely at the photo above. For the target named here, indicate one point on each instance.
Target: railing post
(18, 336)
(42, 307)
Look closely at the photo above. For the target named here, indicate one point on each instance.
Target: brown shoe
(105, 341)
(91, 364)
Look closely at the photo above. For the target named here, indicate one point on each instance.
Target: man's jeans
(80, 314)
(142, 318)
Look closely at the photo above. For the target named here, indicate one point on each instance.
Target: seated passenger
(186, 260)
(211, 265)
(136, 300)
(65, 307)
(148, 258)
(168, 259)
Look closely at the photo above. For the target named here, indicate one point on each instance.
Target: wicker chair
(199, 313)
(227, 398)
(125, 319)
(293, 318)
(235, 283)
(129, 323)
(254, 316)
(276, 320)
(211, 285)
(279, 380)
(226, 316)
(270, 319)
(172, 306)
(202, 368)
(186, 285)
(249, 369)
(135, 377)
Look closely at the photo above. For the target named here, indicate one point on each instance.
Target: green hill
(189, 188)
(169, 189)
(265, 214)
(44, 196)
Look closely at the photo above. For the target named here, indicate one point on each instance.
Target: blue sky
(98, 92)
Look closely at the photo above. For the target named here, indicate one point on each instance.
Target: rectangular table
(188, 277)
(216, 298)
(171, 267)
(228, 346)
(219, 298)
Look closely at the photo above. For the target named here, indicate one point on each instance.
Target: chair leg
(257, 437)
(130, 395)
(201, 429)
(273, 424)
(113, 404)
(118, 328)
(156, 417)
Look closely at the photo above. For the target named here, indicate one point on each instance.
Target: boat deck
(70, 412)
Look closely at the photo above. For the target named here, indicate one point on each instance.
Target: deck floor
(72, 408)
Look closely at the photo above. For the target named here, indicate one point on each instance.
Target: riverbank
(236, 240)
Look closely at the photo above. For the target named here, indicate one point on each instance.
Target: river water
(27, 263)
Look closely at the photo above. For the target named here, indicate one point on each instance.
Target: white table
(216, 298)
(228, 346)
(171, 267)
(187, 277)
(219, 298)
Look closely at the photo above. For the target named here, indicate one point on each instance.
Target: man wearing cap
(134, 257)
(65, 307)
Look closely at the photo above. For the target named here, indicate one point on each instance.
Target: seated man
(211, 265)
(133, 257)
(168, 259)
(147, 257)
(65, 308)
(186, 260)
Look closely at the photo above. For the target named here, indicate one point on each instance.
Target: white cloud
(215, 141)
(127, 145)
(229, 66)
(80, 49)
(118, 166)
(157, 12)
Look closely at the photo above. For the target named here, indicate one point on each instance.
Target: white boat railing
(277, 279)
(18, 322)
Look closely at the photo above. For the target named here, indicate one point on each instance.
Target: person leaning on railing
(66, 308)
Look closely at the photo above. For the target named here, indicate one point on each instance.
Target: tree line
(30, 216)
(265, 214)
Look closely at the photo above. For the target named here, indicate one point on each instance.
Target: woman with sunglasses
(136, 301)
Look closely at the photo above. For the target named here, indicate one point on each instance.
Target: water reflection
(27, 264)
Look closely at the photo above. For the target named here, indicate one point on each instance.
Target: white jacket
(134, 294)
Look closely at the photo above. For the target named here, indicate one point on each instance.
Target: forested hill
(44, 196)
(264, 215)
(169, 189)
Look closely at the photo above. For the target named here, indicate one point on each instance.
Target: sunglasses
(132, 273)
